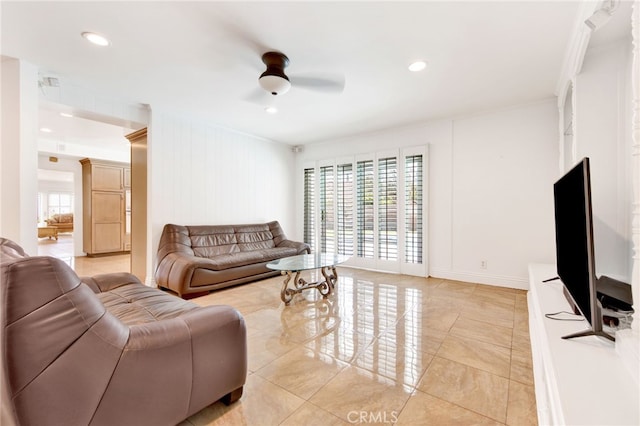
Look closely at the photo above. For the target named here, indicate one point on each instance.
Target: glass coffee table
(296, 264)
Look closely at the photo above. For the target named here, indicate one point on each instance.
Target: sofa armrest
(201, 354)
(179, 267)
(105, 282)
(300, 247)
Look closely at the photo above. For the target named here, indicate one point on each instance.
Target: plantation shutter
(370, 207)
(413, 208)
(309, 207)
(365, 213)
(327, 233)
(345, 208)
(388, 209)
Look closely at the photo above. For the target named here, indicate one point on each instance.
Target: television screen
(574, 236)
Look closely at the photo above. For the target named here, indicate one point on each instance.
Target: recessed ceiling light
(271, 110)
(417, 66)
(66, 114)
(45, 130)
(96, 38)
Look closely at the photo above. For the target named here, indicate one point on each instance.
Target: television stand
(576, 311)
(577, 381)
(590, 333)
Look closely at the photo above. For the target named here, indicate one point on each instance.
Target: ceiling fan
(276, 82)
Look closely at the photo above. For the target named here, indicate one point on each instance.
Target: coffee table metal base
(325, 287)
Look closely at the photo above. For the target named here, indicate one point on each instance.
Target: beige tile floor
(383, 349)
(63, 249)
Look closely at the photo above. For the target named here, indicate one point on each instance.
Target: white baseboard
(488, 279)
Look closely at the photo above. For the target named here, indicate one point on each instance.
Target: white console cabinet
(580, 381)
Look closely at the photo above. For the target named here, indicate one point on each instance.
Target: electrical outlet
(483, 264)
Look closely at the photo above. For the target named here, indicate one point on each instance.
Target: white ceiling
(202, 59)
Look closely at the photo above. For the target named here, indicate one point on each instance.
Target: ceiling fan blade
(240, 42)
(243, 36)
(259, 96)
(327, 84)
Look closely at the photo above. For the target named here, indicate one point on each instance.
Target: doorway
(55, 213)
(66, 136)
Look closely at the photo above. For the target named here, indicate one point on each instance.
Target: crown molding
(576, 48)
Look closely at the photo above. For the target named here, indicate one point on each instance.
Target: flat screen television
(575, 254)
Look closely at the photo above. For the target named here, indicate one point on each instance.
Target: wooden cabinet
(105, 214)
(107, 178)
(127, 177)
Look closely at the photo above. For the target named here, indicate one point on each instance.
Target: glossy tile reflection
(83, 265)
(383, 349)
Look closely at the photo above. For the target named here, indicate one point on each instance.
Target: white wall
(603, 133)
(200, 174)
(490, 189)
(18, 153)
(504, 166)
(110, 151)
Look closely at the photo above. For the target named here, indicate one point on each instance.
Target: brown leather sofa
(108, 350)
(197, 259)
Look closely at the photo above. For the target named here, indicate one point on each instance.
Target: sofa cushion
(135, 304)
(215, 250)
(226, 261)
(209, 241)
(249, 241)
(277, 253)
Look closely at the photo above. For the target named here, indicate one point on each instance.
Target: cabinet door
(127, 217)
(127, 178)
(108, 211)
(107, 237)
(106, 178)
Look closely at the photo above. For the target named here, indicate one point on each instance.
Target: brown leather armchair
(110, 350)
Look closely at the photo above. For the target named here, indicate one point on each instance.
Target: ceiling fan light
(417, 66)
(274, 84)
(96, 39)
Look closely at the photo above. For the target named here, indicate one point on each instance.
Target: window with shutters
(388, 209)
(327, 228)
(371, 208)
(344, 203)
(364, 201)
(413, 208)
(309, 207)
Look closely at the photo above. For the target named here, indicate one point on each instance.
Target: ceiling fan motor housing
(274, 80)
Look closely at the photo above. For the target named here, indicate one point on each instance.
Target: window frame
(400, 265)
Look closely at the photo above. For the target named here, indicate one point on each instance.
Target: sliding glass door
(370, 207)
